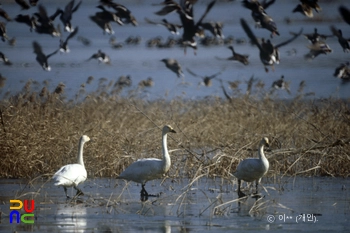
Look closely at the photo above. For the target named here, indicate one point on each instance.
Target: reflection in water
(258, 207)
(151, 227)
(249, 206)
(136, 216)
(72, 218)
(103, 228)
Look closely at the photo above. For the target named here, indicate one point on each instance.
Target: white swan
(73, 174)
(147, 169)
(252, 169)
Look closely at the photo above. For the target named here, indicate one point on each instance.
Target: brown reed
(39, 133)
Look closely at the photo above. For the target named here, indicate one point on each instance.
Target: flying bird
(306, 7)
(103, 19)
(122, 12)
(45, 23)
(343, 72)
(174, 66)
(33, 2)
(281, 84)
(261, 18)
(31, 21)
(4, 14)
(344, 43)
(101, 57)
(5, 59)
(64, 44)
(146, 83)
(190, 28)
(238, 57)
(269, 54)
(316, 49)
(345, 13)
(169, 6)
(215, 28)
(315, 36)
(41, 58)
(172, 28)
(3, 32)
(23, 4)
(206, 79)
(66, 15)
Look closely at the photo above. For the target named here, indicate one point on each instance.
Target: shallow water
(141, 62)
(208, 205)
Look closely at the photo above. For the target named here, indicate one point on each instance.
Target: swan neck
(80, 153)
(261, 152)
(262, 157)
(166, 157)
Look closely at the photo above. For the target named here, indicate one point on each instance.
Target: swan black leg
(239, 192)
(256, 195)
(65, 190)
(79, 192)
(144, 193)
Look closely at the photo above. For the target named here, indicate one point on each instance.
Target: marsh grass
(39, 132)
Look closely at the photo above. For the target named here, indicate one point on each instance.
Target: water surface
(290, 204)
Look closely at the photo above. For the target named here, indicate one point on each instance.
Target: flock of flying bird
(111, 12)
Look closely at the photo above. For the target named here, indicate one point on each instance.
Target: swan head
(167, 129)
(85, 138)
(265, 142)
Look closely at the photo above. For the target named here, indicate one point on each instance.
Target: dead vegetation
(39, 132)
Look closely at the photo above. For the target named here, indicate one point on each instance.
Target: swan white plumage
(73, 174)
(147, 169)
(252, 169)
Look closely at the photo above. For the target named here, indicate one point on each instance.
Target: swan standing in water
(252, 169)
(147, 169)
(73, 174)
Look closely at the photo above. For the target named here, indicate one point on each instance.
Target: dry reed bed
(39, 132)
